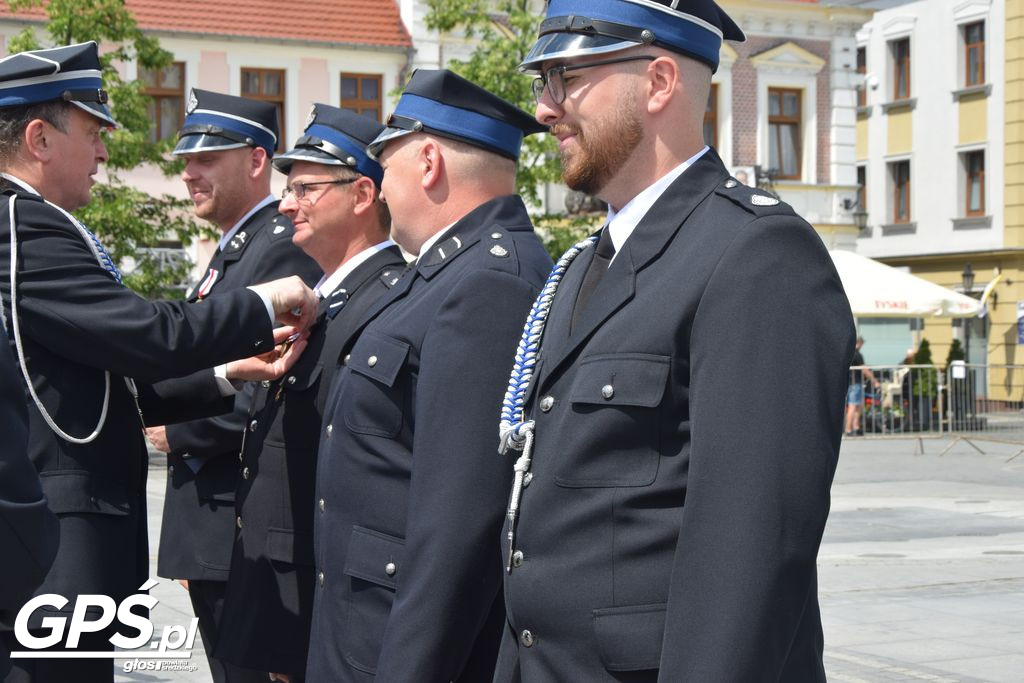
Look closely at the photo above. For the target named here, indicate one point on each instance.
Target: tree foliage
(503, 32)
(128, 221)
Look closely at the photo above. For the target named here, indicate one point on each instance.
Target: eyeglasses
(554, 78)
(300, 189)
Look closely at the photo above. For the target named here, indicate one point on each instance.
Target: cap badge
(311, 118)
(193, 102)
(763, 200)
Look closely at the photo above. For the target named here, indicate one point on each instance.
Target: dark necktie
(603, 253)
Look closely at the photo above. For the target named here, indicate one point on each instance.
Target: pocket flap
(284, 545)
(621, 379)
(374, 556)
(629, 638)
(378, 357)
(81, 491)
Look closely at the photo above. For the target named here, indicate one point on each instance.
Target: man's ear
(662, 80)
(365, 194)
(431, 162)
(258, 161)
(37, 140)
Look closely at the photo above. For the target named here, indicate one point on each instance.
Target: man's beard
(603, 150)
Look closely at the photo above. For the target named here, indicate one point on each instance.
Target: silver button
(527, 479)
(547, 403)
(265, 384)
(526, 638)
(371, 361)
(320, 578)
(238, 522)
(517, 558)
(730, 183)
(608, 391)
(495, 235)
(170, 470)
(252, 426)
(291, 379)
(323, 505)
(347, 358)
(245, 473)
(330, 428)
(390, 569)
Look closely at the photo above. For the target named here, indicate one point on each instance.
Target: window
(711, 118)
(974, 190)
(361, 93)
(166, 110)
(901, 69)
(862, 188)
(267, 85)
(784, 127)
(900, 172)
(862, 70)
(974, 54)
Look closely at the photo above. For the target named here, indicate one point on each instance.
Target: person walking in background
(855, 391)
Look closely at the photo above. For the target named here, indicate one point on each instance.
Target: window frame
(969, 175)
(159, 93)
(280, 100)
(968, 47)
(862, 71)
(360, 102)
(894, 170)
(781, 120)
(901, 64)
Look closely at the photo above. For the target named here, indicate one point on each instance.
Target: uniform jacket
(198, 520)
(410, 492)
(687, 432)
(76, 321)
(269, 600)
(28, 529)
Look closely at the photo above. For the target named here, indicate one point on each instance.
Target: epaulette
(280, 228)
(499, 251)
(391, 276)
(753, 200)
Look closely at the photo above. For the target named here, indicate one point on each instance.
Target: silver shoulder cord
(15, 326)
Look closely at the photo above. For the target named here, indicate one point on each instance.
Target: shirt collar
(621, 223)
(434, 239)
(329, 283)
(19, 182)
(269, 199)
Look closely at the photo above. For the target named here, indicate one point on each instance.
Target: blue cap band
(673, 28)
(364, 164)
(461, 123)
(47, 91)
(243, 128)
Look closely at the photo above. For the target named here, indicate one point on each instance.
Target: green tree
(127, 220)
(956, 352)
(503, 32)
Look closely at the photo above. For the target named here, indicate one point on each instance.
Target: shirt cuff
(227, 387)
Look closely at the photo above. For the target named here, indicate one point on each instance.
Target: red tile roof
(359, 22)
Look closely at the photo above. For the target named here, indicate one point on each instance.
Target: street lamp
(968, 282)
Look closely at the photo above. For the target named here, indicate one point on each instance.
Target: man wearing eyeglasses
(333, 200)
(227, 144)
(676, 435)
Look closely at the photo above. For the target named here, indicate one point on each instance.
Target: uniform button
(495, 235)
(390, 569)
(347, 358)
(517, 558)
(257, 345)
(371, 361)
(526, 638)
(330, 428)
(245, 473)
(238, 522)
(323, 505)
(92, 499)
(608, 391)
(546, 403)
(527, 479)
(320, 578)
(265, 384)
(170, 470)
(292, 380)
(253, 425)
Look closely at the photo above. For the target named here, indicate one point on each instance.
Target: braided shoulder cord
(512, 427)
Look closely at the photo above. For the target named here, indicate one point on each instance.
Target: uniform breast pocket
(612, 437)
(374, 397)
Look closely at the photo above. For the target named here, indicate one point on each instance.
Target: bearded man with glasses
(675, 409)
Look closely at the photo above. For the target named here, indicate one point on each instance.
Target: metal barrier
(895, 400)
(969, 402)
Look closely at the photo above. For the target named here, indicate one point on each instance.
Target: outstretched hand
(273, 364)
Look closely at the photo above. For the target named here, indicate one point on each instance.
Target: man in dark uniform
(80, 336)
(683, 383)
(333, 199)
(408, 496)
(28, 529)
(227, 143)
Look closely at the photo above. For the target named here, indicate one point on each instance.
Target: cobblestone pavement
(921, 568)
